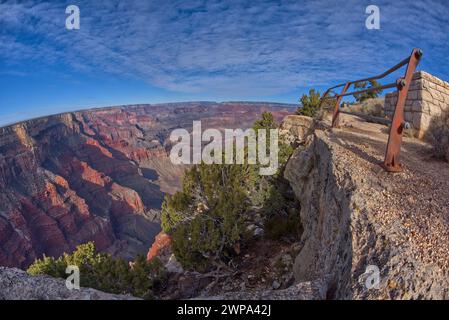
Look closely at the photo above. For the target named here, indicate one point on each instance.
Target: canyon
(354, 216)
(98, 175)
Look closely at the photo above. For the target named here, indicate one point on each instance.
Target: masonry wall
(427, 98)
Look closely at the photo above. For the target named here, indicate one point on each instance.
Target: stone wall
(427, 98)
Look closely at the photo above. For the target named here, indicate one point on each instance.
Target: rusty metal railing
(397, 124)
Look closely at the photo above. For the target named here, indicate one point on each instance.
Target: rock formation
(297, 126)
(16, 284)
(161, 242)
(360, 223)
(96, 175)
(358, 219)
(315, 290)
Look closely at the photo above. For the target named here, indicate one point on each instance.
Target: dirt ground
(417, 199)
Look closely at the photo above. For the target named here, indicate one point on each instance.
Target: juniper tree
(208, 218)
(360, 97)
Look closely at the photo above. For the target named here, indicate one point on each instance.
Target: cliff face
(95, 175)
(357, 218)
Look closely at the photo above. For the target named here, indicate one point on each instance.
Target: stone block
(413, 95)
(425, 95)
(445, 99)
(416, 120)
(427, 98)
(425, 106)
(439, 82)
(434, 109)
(441, 89)
(436, 95)
(417, 84)
(425, 121)
(408, 116)
(417, 106)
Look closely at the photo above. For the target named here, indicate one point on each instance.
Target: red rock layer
(94, 176)
(161, 242)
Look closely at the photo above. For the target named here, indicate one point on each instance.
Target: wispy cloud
(226, 47)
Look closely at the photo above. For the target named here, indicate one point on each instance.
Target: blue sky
(149, 51)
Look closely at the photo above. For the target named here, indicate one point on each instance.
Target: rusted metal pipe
(381, 76)
(337, 106)
(391, 162)
(386, 86)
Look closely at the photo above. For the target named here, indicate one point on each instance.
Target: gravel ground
(413, 204)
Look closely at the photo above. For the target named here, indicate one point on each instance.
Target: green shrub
(265, 122)
(103, 272)
(310, 104)
(209, 216)
(214, 221)
(173, 208)
(360, 97)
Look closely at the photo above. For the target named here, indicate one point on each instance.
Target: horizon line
(10, 124)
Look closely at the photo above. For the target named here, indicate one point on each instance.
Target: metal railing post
(391, 162)
(335, 117)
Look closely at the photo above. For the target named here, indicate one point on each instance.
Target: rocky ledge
(358, 219)
(314, 290)
(361, 224)
(16, 284)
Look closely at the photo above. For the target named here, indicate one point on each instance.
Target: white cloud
(216, 47)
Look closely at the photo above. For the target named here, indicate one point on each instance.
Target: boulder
(161, 247)
(297, 126)
(16, 284)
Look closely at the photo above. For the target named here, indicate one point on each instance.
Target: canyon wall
(97, 175)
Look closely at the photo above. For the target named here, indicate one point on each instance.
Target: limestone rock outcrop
(359, 219)
(16, 284)
(296, 125)
(314, 290)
